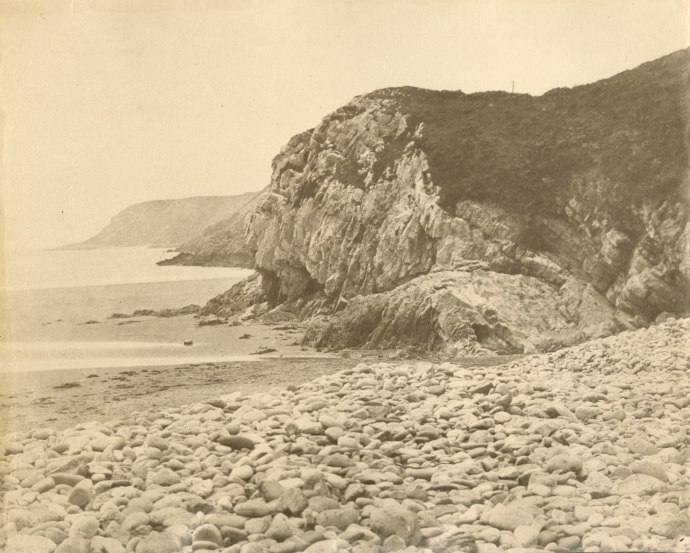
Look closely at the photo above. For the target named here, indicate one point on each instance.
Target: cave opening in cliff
(481, 332)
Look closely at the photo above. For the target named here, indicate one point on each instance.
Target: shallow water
(35, 270)
(68, 360)
(56, 309)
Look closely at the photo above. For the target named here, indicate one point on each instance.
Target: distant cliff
(164, 223)
(471, 222)
(222, 243)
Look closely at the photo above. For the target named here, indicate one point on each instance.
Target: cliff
(472, 222)
(164, 223)
(222, 243)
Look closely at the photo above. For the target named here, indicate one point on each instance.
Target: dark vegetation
(626, 135)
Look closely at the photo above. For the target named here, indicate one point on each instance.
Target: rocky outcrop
(164, 223)
(469, 312)
(191, 309)
(483, 221)
(222, 243)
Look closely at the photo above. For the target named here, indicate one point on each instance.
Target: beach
(66, 359)
(63, 398)
(151, 434)
(85, 365)
(582, 449)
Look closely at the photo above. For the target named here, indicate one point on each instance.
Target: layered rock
(222, 243)
(468, 313)
(577, 197)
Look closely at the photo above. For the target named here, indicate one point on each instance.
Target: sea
(55, 309)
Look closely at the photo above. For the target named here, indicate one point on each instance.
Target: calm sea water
(72, 268)
(57, 304)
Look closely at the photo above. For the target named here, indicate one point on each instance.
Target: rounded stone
(237, 442)
(165, 477)
(25, 543)
(81, 494)
(159, 542)
(207, 532)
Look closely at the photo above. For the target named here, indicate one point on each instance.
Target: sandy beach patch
(60, 399)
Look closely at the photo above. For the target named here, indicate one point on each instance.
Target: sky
(109, 103)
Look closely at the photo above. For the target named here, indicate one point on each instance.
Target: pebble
(254, 508)
(237, 442)
(650, 468)
(74, 544)
(165, 477)
(100, 544)
(509, 517)
(134, 520)
(159, 542)
(581, 449)
(44, 485)
(391, 519)
(639, 484)
(25, 543)
(81, 494)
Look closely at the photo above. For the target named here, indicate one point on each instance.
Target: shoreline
(61, 398)
(581, 449)
(107, 284)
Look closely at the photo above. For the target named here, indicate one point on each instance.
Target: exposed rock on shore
(222, 243)
(583, 449)
(190, 309)
(578, 195)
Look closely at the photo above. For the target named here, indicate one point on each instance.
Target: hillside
(222, 243)
(475, 222)
(164, 223)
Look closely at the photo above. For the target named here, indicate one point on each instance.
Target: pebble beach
(583, 449)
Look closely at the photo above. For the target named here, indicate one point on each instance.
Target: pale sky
(110, 103)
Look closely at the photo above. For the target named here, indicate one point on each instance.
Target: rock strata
(415, 217)
(380, 458)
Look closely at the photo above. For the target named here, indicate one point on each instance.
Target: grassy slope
(623, 138)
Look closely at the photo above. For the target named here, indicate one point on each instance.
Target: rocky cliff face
(222, 243)
(482, 221)
(164, 223)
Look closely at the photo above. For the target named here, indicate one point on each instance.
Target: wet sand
(57, 389)
(147, 341)
(60, 399)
